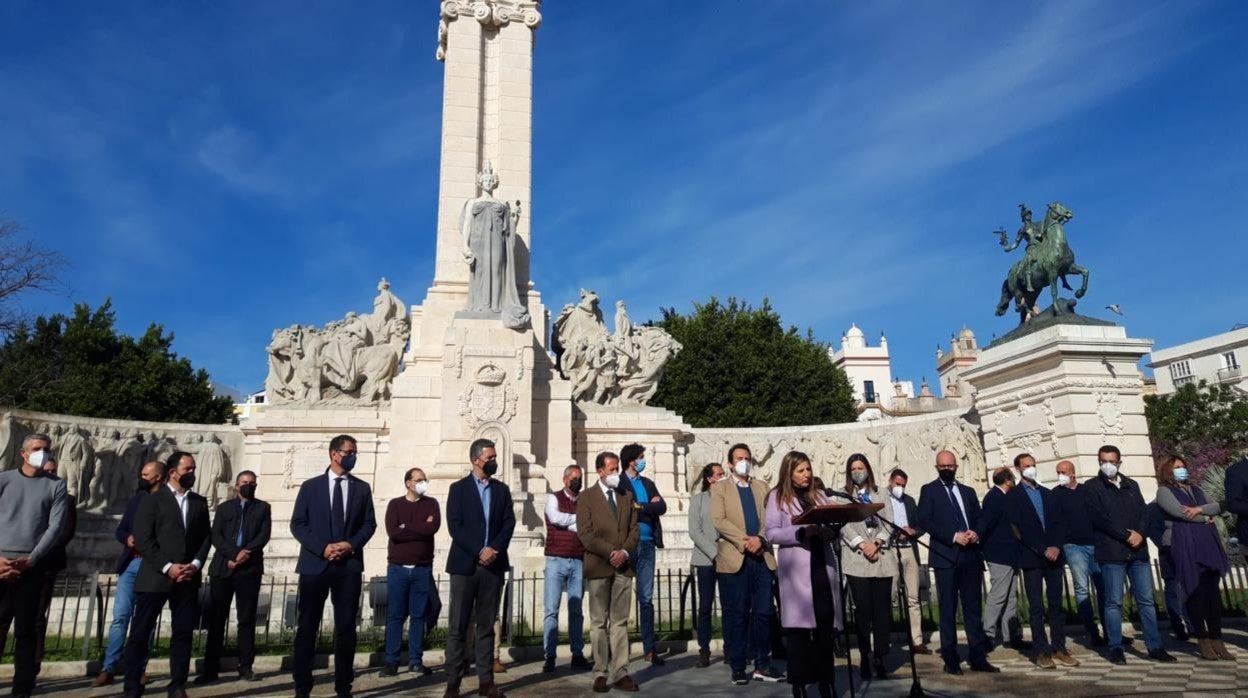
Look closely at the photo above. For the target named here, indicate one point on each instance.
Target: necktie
(242, 516)
(961, 516)
(611, 500)
(337, 513)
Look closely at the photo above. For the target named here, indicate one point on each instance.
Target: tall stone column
(487, 114)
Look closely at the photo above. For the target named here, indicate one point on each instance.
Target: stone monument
(1061, 384)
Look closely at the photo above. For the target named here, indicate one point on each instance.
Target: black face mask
(187, 481)
(575, 485)
(490, 467)
(248, 491)
(145, 486)
(947, 476)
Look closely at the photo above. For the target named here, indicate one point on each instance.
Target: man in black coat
(1237, 499)
(481, 520)
(240, 531)
(949, 512)
(1034, 521)
(1001, 553)
(171, 533)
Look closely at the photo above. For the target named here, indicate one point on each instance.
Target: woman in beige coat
(869, 567)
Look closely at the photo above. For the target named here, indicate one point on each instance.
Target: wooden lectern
(837, 514)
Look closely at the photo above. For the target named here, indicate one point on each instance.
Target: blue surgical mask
(1180, 474)
(641, 465)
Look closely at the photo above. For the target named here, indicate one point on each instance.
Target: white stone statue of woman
(488, 227)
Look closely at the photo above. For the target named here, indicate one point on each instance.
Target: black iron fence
(80, 614)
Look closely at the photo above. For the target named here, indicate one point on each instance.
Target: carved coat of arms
(489, 398)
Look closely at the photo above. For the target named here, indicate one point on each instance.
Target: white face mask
(613, 480)
(1109, 470)
(421, 488)
(898, 490)
(1063, 479)
(1030, 473)
(742, 468)
(37, 458)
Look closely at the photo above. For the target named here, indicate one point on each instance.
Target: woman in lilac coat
(810, 599)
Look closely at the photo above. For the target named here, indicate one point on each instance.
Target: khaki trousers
(910, 572)
(610, 602)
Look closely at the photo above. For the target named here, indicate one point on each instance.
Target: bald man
(1078, 548)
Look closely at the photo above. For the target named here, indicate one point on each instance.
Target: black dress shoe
(1019, 645)
(985, 668)
(390, 670)
(953, 669)
(247, 675)
(205, 679)
(549, 665)
(1161, 656)
(580, 662)
(1117, 657)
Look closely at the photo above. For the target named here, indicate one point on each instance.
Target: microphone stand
(840, 575)
(916, 688)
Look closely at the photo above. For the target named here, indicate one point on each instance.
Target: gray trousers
(474, 603)
(1001, 622)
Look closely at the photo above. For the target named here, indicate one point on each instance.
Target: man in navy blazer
(1035, 522)
(332, 520)
(480, 518)
(1000, 550)
(949, 512)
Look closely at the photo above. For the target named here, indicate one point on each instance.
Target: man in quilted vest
(563, 570)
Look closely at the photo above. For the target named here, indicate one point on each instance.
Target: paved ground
(1019, 677)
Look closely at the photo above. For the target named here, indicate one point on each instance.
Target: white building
(1216, 359)
(870, 373)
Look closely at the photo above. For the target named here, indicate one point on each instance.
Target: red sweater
(411, 527)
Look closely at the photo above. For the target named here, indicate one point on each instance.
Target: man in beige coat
(746, 568)
(606, 523)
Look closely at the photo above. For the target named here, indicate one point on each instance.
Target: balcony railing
(1230, 373)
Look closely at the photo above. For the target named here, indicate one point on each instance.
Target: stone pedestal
(666, 437)
(1062, 392)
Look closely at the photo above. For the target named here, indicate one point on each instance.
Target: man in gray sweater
(32, 513)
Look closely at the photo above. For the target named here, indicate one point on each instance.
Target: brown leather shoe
(626, 683)
(1206, 650)
(490, 690)
(499, 668)
(1064, 657)
(920, 649)
(1219, 647)
(704, 658)
(600, 685)
(104, 678)
(1045, 661)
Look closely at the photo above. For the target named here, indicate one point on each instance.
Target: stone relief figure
(77, 460)
(488, 228)
(619, 369)
(211, 463)
(348, 361)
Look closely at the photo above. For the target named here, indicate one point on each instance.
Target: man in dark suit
(906, 519)
(1000, 551)
(1237, 499)
(332, 520)
(480, 519)
(240, 531)
(171, 533)
(1033, 518)
(949, 512)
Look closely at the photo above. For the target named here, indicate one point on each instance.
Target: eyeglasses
(348, 453)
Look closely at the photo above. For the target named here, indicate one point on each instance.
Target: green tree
(80, 365)
(741, 368)
(1205, 424)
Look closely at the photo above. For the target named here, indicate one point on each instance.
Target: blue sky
(228, 168)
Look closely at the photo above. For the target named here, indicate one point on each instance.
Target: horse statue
(1046, 262)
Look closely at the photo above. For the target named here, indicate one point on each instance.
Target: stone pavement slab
(1019, 677)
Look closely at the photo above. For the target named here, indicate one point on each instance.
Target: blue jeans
(1170, 583)
(1142, 589)
(644, 567)
(563, 573)
(407, 595)
(706, 602)
(745, 596)
(123, 610)
(1084, 569)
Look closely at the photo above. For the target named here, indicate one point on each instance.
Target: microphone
(839, 495)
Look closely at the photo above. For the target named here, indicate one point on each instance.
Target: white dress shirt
(900, 520)
(560, 518)
(181, 507)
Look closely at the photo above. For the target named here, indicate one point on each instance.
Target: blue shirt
(1033, 493)
(752, 524)
(483, 491)
(639, 491)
